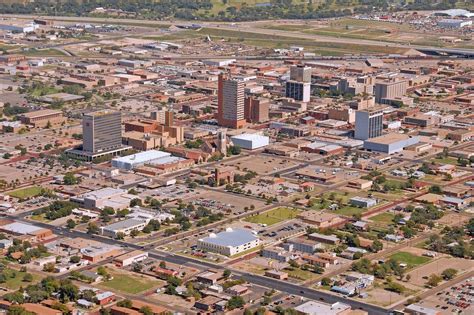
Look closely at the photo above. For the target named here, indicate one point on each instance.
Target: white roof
(142, 157)
(316, 308)
(249, 137)
(21, 228)
(456, 12)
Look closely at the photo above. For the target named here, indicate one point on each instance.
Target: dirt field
(437, 266)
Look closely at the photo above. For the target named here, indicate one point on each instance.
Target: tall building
(158, 115)
(256, 110)
(300, 73)
(389, 90)
(222, 141)
(368, 123)
(299, 91)
(230, 102)
(102, 131)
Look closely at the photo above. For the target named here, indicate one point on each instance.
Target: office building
(299, 91)
(389, 90)
(368, 123)
(42, 118)
(102, 131)
(300, 73)
(230, 102)
(229, 242)
(256, 109)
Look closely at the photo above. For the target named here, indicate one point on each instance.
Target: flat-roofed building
(229, 242)
(389, 89)
(130, 258)
(124, 227)
(42, 118)
(368, 123)
(390, 143)
(321, 219)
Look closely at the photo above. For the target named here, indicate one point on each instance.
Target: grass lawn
(447, 160)
(129, 284)
(349, 211)
(43, 52)
(410, 259)
(300, 274)
(273, 216)
(39, 218)
(15, 279)
(385, 218)
(27, 192)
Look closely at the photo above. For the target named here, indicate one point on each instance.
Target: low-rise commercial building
(229, 242)
(390, 143)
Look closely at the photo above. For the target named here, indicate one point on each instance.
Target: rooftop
(230, 237)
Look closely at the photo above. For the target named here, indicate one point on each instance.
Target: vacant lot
(14, 279)
(410, 259)
(130, 284)
(27, 192)
(383, 218)
(273, 216)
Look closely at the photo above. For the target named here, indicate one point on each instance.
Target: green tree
(434, 280)
(70, 179)
(235, 302)
(28, 277)
(449, 273)
(70, 223)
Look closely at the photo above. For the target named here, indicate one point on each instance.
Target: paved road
(242, 26)
(283, 286)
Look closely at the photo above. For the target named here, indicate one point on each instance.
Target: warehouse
(135, 160)
(454, 23)
(19, 27)
(390, 143)
(250, 141)
(230, 242)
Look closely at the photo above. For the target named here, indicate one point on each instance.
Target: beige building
(41, 118)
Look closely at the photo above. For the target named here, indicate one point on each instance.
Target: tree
(376, 246)
(134, 233)
(395, 287)
(92, 228)
(434, 280)
(28, 277)
(70, 179)
(325, 281)
(120, 236)
(135, 202)
(449, 273)
(227, 273)
(435, 189)
(408, 277)
(235, 302)
(146, 310)
(125, 303)
(18, 310)
(71, 224)
(75, 259)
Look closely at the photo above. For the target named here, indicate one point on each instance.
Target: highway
(249, 27)
(283, 286)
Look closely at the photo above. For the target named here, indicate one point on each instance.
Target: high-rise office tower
(102, 131)
(389, 90)
(230, 112)
(368, 123)
(256, 109)
(299, 91)
(300, 73)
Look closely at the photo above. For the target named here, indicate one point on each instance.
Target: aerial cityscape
(291, 157)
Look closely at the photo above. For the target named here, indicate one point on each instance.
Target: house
(105, 298)
(208, 303)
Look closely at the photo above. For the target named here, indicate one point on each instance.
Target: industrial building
(230, 242)
(19, 27)
(390, 143)
(123, 227)
(250, 141)
(130, 162)
(454, 23)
